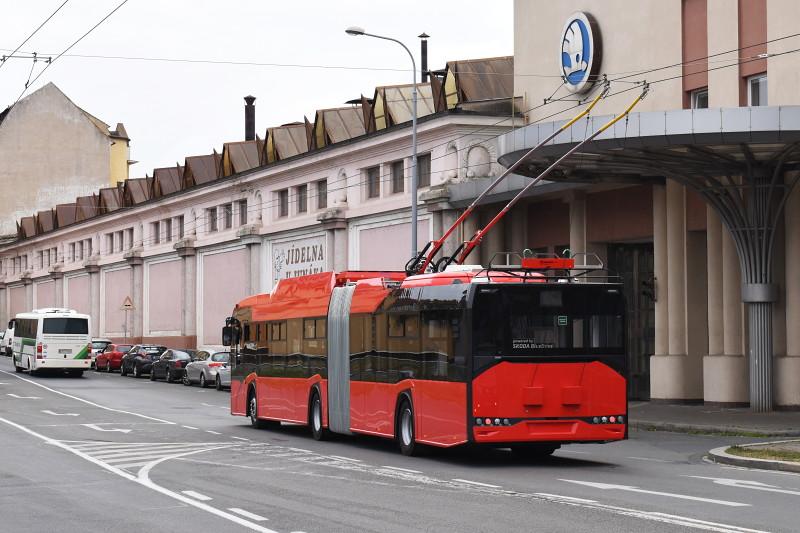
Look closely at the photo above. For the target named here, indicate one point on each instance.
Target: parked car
(2, 335)
(223, 378)
(98, 345)
(7, 338)
(139, 359)
(204, 368)
(171, 365)
(111, 358)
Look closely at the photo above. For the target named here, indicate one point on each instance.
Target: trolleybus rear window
(65, 326)
(548, 320)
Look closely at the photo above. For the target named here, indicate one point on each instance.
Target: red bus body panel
(548, 391)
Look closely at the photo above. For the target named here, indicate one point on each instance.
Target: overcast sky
(172, 110)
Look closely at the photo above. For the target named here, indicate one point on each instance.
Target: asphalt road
(105, 452)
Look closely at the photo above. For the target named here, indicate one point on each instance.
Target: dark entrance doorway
(634, 263)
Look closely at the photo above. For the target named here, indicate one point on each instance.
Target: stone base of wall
(175, 341)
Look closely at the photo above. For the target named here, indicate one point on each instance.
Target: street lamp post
(356, 31)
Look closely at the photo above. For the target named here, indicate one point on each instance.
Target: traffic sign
(127, 305)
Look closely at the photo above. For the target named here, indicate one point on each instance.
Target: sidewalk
(704, 419)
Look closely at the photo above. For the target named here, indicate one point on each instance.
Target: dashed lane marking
(247, 514)
(627, 488)
(402, 469)
(240, 438)
(477, 483)
(197, 495)
(49, 412)
(189, 427)
(651, 459)
(213, 432)
(86, 401)
(17, 396)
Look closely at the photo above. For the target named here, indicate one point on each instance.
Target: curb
(677, 427)
(719, 455)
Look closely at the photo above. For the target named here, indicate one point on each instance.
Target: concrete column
(787, 369)
(94, 297)
(58, 279)
(660, 267)
(494, 241)
(335, 225)
(676, 273)
(188, 257)
(714, 251)
(137, 295)
(677, 375)
(3, 305)
(577, 222)
(449, 217)
(28, 282)
(468, 229)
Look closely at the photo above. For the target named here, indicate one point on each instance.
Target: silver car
(205, 369)
(223, 380)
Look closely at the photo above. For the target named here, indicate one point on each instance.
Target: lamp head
(355, 30)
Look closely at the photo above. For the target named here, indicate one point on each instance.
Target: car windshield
(123, 347)
(221, 357)
(99, 345)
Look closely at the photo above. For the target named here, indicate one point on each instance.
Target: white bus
(52, 338)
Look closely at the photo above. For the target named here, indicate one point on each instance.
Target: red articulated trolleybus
(528, 355)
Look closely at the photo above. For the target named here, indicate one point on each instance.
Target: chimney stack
(249, 118)
(424, 55)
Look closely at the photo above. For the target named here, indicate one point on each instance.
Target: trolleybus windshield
(548, 320)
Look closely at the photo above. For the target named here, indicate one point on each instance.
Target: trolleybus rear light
(479, 421)
(604, 419)
(488, 421)
(596, 420)
(612, 419)
(506, 422)
(620, 419)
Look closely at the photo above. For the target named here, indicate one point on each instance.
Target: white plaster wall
(50, 153)
(223, 283)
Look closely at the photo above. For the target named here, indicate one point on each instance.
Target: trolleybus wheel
(405, 429)
(315, 419)
(252, 409)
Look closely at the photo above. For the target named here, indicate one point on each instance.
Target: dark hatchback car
(171, 365)
(140, 358)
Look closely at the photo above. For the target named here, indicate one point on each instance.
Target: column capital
(134, 258)
(333, 219)
(91, 266)
(55, 272)
(436, 198)
(25, 278)
(185, 247)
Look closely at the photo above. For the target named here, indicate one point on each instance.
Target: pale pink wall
(17, 300)
(117, 288)
(224, 286)
(165, 288)
(45, 294)
(389, 247)
(78, 294)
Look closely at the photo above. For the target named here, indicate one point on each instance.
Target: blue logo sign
(580, 52)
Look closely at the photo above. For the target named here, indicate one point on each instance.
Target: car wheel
(169, 376)
(315, 419)
(97, 368)
(137, 373)
(185, 379)
(18, 369)
(203, 383)
(108, 367)
(152, 374)
(122, 370)
(218, 383)
(405, 429)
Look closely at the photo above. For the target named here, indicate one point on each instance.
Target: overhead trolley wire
(28, 38)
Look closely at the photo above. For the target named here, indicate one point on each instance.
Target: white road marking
(558, 497)
(197, 495)
(649, 459)
(144, 475)
(402, 469)
(344, 458)
(240, 438)
(247, 514)
(745, 484)
(573, 451)
(3, 383)
(189, 427)
(213, 432)
(17, 396)
(112, 430)
(86, 401)
(49, 412)
(627, 488)
(478, 483)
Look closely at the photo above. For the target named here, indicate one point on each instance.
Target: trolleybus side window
(26, 328)
(65, 326)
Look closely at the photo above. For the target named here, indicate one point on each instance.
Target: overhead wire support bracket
(420, 263)
(466, 248)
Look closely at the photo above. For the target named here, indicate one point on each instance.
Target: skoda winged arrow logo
(580, 52)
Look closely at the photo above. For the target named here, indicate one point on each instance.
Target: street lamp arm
(413, 62)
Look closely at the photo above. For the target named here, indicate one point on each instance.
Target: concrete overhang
(647, 146)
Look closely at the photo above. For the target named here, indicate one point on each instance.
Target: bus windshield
(65, 326)
(528, 320)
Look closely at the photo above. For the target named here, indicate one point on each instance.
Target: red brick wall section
(752, 30)
(620, 215)
(694, 29)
